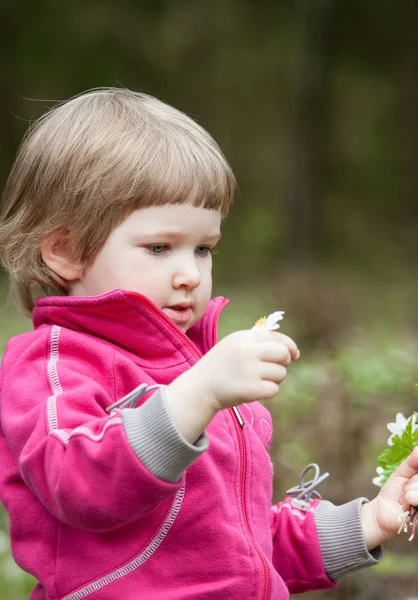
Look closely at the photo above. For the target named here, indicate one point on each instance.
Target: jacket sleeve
(313, 548)
(75, 457)
(296, 550)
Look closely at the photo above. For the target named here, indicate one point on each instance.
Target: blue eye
(157, 248)
(203, 250)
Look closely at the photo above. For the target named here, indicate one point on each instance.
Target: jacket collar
(131, 321)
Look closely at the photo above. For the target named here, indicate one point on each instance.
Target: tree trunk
(310, 127)
(410, 122)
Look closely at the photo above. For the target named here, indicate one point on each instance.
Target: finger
(273, 372)
(411, 497)
(403, 503)
(261, 334)
(287, 341)
(274, 352)
(413, 481)
(411, 487)
(267, 390)
(410, 491)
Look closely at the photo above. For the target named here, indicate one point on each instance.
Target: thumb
(409, 467)
(400, 476)
(394, 487)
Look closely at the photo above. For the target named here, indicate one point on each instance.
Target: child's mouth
(178, 313)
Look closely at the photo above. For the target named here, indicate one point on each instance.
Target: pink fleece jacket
(88, 518)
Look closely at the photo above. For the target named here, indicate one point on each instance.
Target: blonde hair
(87, 164)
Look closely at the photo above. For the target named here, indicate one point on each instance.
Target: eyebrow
(178, 234)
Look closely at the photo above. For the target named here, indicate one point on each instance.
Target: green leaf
(408, 428)
(393, 455)
(409, 438)
(407, 435)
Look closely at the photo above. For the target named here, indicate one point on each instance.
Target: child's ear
(57, 255)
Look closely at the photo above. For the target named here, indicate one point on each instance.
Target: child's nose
(187, 273)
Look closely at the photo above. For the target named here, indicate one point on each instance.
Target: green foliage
(400, 448)
(379, 365)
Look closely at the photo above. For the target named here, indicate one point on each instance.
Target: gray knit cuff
(341, 538)
(156, 440)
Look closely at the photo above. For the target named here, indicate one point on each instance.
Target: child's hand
(244, 366)
(380, 517)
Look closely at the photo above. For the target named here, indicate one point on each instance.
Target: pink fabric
(86, 517)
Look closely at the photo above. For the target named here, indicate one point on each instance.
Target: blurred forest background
(315, 103)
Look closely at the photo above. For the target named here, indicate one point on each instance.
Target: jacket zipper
(266, 583)
(238, 424)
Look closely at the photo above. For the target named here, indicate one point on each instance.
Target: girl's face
(162, 252)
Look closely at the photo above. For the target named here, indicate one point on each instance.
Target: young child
(127, 469)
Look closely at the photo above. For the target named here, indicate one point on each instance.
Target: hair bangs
(178, 173)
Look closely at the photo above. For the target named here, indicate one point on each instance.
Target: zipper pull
(238, 415)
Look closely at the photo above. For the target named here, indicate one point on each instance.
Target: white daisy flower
(399, 426)
(270, 322)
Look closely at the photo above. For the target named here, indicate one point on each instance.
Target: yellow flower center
(261, 321)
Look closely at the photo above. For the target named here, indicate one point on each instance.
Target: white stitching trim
(57, 389)
(138, 560)
(96, 437)
(52, 414)
(53, 358)
(63, 435)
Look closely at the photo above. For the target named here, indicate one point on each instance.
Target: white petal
(395, 429)
(379, 470)
(377, 481)
(400, 420)
(390, 440)
(274, 317)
